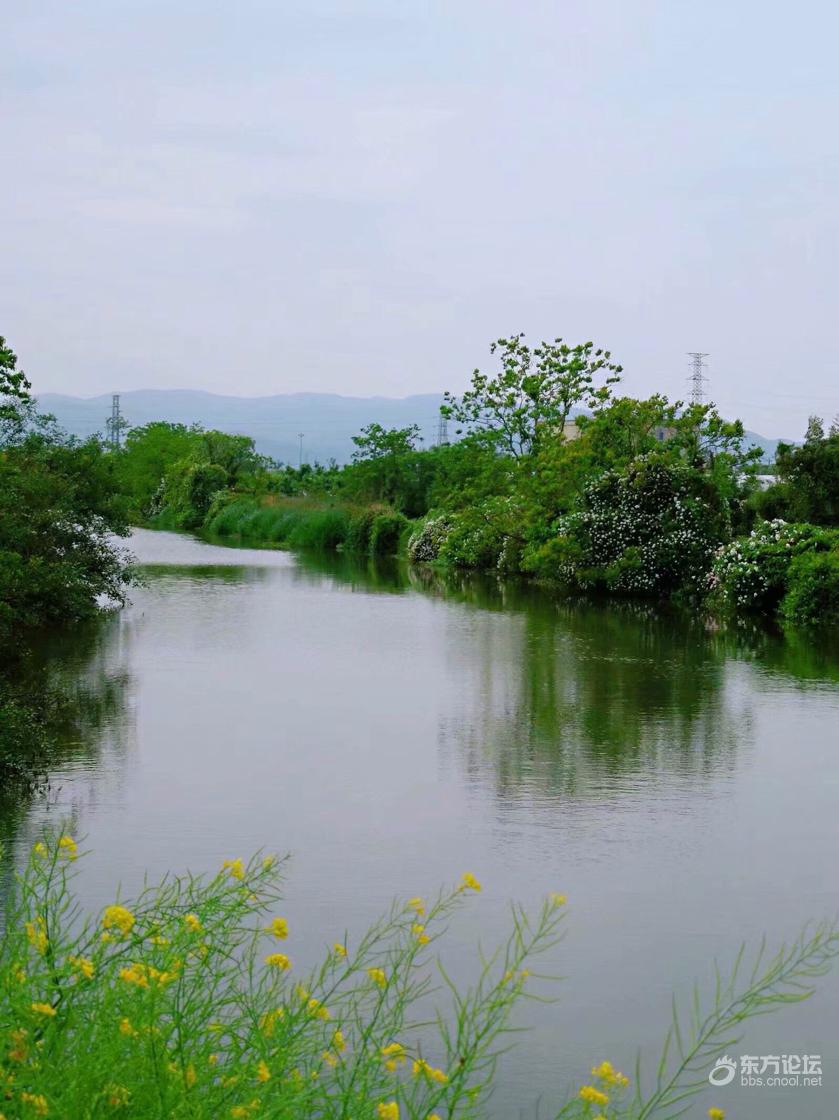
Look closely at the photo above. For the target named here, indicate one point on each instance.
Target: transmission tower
(696, 377)
(115, 424)
(300, 453)
(443, 432)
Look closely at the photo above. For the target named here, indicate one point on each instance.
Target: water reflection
(72, 691)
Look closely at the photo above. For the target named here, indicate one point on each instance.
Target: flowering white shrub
(652, 529)
(425, 542)
(751, 572)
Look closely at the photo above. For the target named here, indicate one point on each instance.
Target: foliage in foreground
(184, 1003)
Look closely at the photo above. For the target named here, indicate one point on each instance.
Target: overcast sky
(356, 197)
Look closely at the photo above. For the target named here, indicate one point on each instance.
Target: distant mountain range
(328, 421)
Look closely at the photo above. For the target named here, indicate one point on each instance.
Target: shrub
(479, 535)
(184, 1003)
(648, 530)
(386, 533)
(750, 573)
(426, 540)
(320, 529)
(813, 589)
(358, 531)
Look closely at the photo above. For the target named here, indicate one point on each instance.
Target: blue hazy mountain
(328, 421)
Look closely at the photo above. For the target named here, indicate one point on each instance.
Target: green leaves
(533, 395)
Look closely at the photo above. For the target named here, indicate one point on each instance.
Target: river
(391, 729)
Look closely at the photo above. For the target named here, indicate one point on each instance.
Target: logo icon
(723, 1071)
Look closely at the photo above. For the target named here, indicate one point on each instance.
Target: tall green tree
(533, 394)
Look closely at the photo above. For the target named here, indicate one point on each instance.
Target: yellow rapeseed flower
(468, 882)
(557, 900)
(269, 1021)
(716, 1114)
(419, 933)
(67, 847)
(609, 1075)
(38, 1102)
(40, 850)
(126, 1028)
(417, 905)
(330, 1058)
(387, 1110)
(46, 1009)
(394, 1055)
(117, 1096)
(135, 974)
(193, 923)
(339, 950)
(36, 933)
(263, 1073)
(118, 917)
(421, 1066)
(83, 965)
(316, 1008)
(278, 960)
(279, 928)
(235, 867)
(593, 1096)
(339, 1042)
(377, 976)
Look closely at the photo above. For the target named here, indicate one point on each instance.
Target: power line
(697, 378)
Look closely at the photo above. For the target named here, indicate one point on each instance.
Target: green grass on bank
(292, 523)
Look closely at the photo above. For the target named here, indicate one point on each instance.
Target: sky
(357, 197)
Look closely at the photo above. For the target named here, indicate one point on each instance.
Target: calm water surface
(391, 730)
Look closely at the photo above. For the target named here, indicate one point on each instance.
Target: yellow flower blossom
(117, 1096)
(387, 1110)
(235, 867)
(607, 1073)
(118, 917)
(38, 1102)
(269, 1021)
(46, 1009)
(377, 976)
(419, 933)
(468, 882)
(394, 1055)
(279, 928)
(417, 905)
(67, 847)
(40, 850)
(557, 900)
(339, 1042)
(593, 1096)
(193, 923)
(316, 1008)
(36, 933)
(330, 1059)
(126, 1028)
(278, 960)
(339, 950)
(19, 1051)
(134, 974)
(268, 862)
(420, 1066)
(83, 965)
(263, 1073)
(716, 1114)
